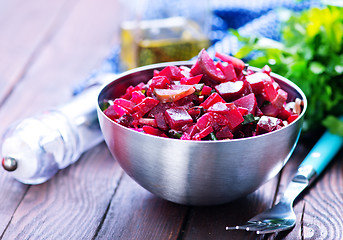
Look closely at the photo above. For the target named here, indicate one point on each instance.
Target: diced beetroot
(196, 69)
(280, 98)
(200, 135)
(191, 80)
(192, 130)
(206, 90)
(201, 99)
(276, 85)
(244, 111)
(224, 133)
(172, 95)
(185, 136)
(234, 117)
(209, 68)
(256, 81)
(247, 130)
(148, 121)
(238, 64)
(267, 124)
(177, 117)
(195, 112)
(270, 110)
(284, 113)
(145, 106)
(230, 90)
(137, 97)
(160, 108)
(292, 117)
(130, 89)
(161, 121)
(187, 102)
(137, 115)
(249, 72)
(127, 104)
(266, 69)
(185, 71)
(219, 107)
(220, 119)
(208, 81)
(149, 92)
(204, 121)
(258, 112)
(120, 110)
(228, 71)
(153, 131)
(212, 99)
(161, 82)
(269, 92)
(111, 113)
(260, 100)
(171, 72)
(126, 120)
(249, 102)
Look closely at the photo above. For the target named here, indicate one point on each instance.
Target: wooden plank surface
(137, 214)
(48, 46)
(25, 30)
(72, 204)
(21, 38)
(73, 43)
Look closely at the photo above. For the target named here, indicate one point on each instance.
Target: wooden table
(46, 47)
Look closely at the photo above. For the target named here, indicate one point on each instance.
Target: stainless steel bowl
(197, 172)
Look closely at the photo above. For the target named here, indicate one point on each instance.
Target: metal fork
(281, 217)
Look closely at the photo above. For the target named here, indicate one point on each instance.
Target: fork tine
(273, 229)
(258, 227)
(242, 227)
(249, 226)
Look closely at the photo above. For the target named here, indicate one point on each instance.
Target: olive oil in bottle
(160, 40)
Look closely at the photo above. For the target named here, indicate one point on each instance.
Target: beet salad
(213, 100)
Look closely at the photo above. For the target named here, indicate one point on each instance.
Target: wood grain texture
(135, 213)
(48, 46)
(25, 27)
(211, 222)
(322, 205)
(71, 205)
(23, 30)
(72, 43)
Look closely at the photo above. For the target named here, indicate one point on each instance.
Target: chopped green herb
(174, 134)
(213, 136)
(249, 118)
(104, 105)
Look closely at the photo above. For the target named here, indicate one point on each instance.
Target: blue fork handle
(323, 152)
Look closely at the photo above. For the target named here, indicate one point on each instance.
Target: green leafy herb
(310, 55)
(249, 118)
(174, 134)
(213, 136)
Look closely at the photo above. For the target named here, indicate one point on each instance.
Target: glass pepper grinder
(34, 149)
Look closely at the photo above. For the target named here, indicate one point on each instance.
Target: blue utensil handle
(323, 152)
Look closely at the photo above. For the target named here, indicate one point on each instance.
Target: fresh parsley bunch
(310, 55)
